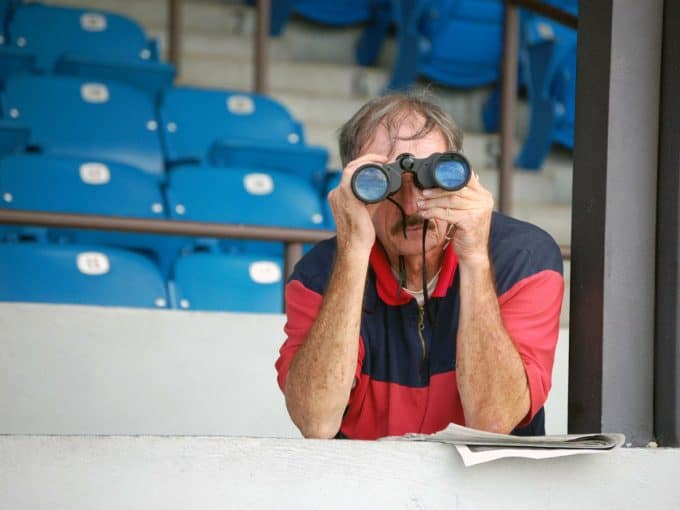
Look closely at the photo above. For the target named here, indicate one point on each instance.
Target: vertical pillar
(261, 41)
(612, 324)
(667, 366)
(175, 33)
(508, 99)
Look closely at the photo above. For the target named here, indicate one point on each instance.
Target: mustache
(409, 221)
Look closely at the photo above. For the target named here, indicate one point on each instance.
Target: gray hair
(391, 112)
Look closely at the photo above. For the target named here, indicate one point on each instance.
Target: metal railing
(292, 238)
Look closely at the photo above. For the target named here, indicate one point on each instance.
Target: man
(361, 360)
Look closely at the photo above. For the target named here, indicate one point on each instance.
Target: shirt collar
(388, 286)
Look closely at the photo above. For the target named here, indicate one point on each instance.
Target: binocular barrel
(374, 182)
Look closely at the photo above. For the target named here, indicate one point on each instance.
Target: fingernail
(427, 192)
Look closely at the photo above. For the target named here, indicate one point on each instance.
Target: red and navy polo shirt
(396, 391)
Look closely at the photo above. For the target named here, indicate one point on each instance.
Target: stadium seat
(14, 136)
(375, 14)
(73, 117)
(95, 44)
(549, 59)
(348, 12)
(246, 197)
(224, 128)
(69, 185)
(14, 60)
(53, 184)
(228, 282)
(454, 42)
(91, 275)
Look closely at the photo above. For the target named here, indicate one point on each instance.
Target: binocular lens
(370, 184)
(451, 174)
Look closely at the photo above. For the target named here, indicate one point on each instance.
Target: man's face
(387, 219)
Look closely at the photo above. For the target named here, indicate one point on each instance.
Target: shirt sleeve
(302, 308)
(530, 311)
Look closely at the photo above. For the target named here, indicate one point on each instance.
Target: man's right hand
(354, 226)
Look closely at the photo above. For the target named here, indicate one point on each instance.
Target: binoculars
(374, 182)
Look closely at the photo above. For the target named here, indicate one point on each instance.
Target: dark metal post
(611, 346)
(292, 254)
(508, 98)
(261, 37)
(175, 33)
(667, 362)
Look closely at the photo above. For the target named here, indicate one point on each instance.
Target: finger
(449, 201)
(445, 214)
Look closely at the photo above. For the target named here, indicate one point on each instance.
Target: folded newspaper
(477, 446)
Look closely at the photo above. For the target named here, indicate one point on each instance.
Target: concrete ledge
(210, 473)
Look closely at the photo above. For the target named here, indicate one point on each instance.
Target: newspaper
(477, 446)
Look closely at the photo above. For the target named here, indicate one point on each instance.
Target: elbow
(491, 421)
(318, 430)
(313, 423)
(490, 425)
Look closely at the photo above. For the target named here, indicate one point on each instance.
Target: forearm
(322, 373)
(491, 378)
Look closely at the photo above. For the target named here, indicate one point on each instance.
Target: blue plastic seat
(348, 12)
(72, 117)
(229, 282)
(96, 44)
(454, 42)
(226, 128)
(376, 15)
(549, 58)
(90, 275)
(64, 185)
(246, 197)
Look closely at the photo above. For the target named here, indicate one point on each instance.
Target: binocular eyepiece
(374, 182)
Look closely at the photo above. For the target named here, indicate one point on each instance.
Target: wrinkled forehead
(394, 136)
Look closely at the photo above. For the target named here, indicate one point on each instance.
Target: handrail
(291, 237)
(509, 85)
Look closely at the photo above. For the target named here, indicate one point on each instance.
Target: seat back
(195, 118)
(229, 282)
(48, 183)
(348, 12)
(476, 26)
(73, 117)
(65, 185)
(92, 275)
(53, 31)
(243, 196)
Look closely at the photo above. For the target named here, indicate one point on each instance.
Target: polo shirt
(399, 388)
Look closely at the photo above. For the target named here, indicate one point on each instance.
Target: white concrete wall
(167, 473)
(91, 370)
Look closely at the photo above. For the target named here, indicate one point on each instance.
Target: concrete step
(306, 79)
(230, 17)
(197, 15)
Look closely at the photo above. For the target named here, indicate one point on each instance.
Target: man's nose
(409, 193)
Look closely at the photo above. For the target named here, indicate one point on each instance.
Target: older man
(361, 359)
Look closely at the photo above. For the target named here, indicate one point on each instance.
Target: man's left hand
(469, 210)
